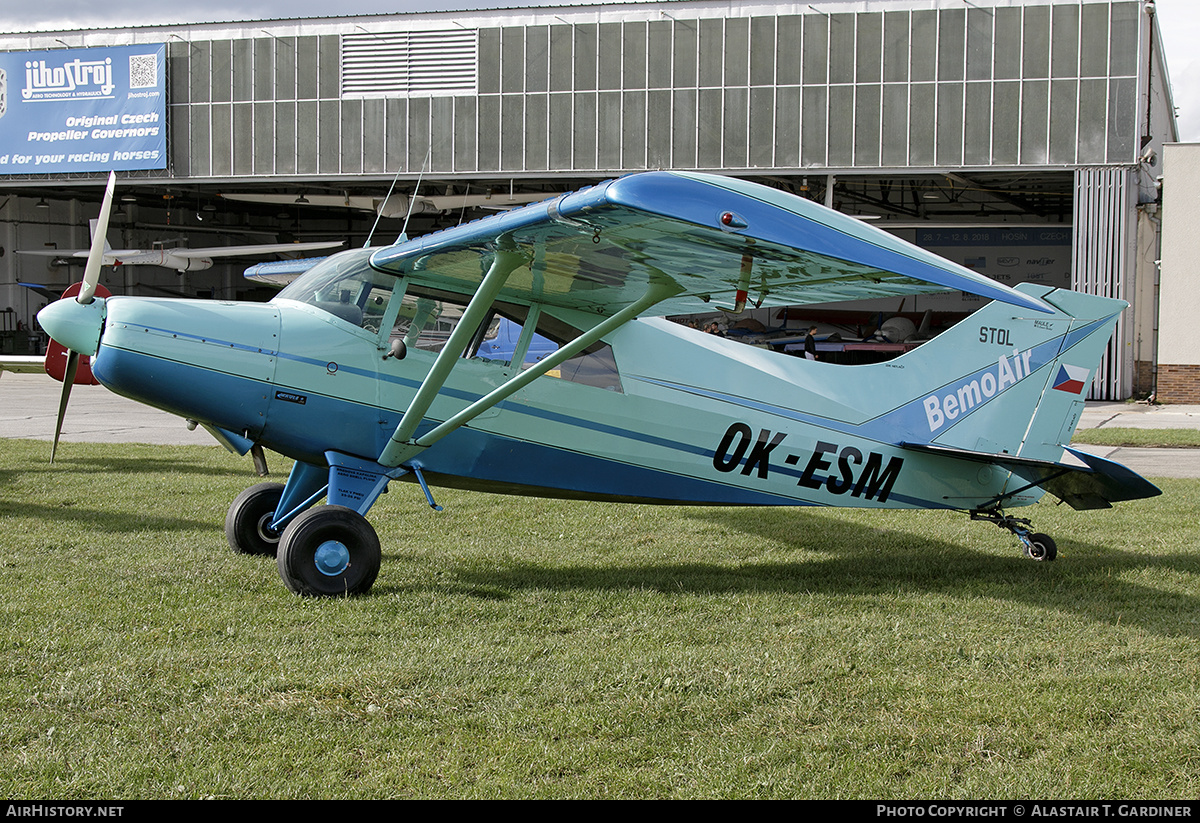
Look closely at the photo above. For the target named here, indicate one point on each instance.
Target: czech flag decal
(1071, 378)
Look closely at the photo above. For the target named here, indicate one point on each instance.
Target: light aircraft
(631, 406)
(179, 259)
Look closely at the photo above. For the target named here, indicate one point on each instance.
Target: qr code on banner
(143, 71)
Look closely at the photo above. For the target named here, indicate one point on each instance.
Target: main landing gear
(321, 551)
(1035, 545)
(329, 551)
(248, 521)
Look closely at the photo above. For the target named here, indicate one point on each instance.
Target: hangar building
(1020, 137)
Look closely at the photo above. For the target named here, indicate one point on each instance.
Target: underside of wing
(722, 242)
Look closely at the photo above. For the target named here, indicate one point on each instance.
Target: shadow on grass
(66, 516)
(810, 551)
(26, 458)
(141, 464)
(853, 560)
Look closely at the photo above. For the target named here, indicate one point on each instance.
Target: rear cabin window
(427, 318)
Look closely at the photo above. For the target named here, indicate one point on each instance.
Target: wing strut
(503, 264)
(401, 449)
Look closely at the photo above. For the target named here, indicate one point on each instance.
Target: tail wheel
(1042, 547)
(329, 551)
(248, 521)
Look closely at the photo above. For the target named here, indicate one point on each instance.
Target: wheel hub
(265, 531)
(332, 558)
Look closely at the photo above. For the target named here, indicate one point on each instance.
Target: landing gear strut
(1035, 545)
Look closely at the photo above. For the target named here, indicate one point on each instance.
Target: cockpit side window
(594, 366)
(425, 322)
(426, 319)
(345, 286)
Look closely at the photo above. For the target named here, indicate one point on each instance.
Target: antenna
(416, 188)
(379, 211)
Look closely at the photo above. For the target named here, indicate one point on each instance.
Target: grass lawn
(1140, 438)
(525, 648)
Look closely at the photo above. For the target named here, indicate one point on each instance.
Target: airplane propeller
(68, 382)
(76, 322)
(91, 272)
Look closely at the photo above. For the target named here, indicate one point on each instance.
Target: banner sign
(82, 110)
(1008, 254)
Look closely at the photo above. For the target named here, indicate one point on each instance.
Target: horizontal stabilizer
(1081, 480)
(1107, 482)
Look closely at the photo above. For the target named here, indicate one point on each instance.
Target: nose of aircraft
(76, 325)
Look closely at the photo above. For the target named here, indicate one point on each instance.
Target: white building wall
(1179, 342)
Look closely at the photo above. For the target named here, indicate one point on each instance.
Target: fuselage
(406, 362)
(687, 418)
(160, 257)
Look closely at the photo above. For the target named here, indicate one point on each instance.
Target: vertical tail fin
(1018, 380)
(1016, 395)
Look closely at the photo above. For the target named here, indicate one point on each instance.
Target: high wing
(716, 242)
(399, 205)
(55, 252)
(250, 251)
(658, 242)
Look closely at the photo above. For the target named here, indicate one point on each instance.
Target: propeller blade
(91, 273)
(68, 382)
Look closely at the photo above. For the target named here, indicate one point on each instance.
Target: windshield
(347, 287)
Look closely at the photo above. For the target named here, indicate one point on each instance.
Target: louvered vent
(409, 63)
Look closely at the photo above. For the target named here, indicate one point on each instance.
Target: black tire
(249, 516)
(1043, 547)
(329, 551)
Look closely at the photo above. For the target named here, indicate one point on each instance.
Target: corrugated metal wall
(1102, 262)
(1007, 86)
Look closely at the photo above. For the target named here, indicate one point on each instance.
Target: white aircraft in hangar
(177, 258)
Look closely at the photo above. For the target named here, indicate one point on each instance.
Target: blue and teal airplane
(364, 371)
